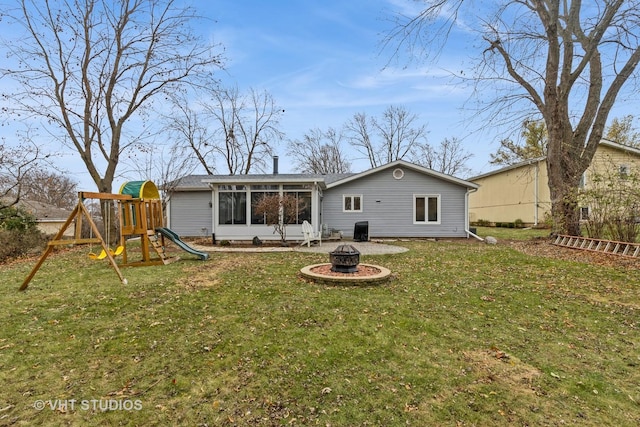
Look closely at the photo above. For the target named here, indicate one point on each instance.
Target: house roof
(407, 165)
(202, 182)
(604, 142)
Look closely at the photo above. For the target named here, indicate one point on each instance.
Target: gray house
(399, 199)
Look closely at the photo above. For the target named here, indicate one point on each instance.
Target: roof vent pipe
(275, 165)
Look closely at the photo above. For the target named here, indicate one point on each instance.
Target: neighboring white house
(399, 199)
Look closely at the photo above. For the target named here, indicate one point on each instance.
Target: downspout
(466, 214)
(535, 196)
(315, 207)
(167, 212)
(212, 205)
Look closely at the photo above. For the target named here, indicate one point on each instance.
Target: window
(584, 214)
(303, 205)
(233, 204)
(623, 171)
(352, 203)
(398, 173)
(257, 193)
(426, 209)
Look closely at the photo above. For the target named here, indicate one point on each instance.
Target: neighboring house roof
(201, 182)
(604, 142)
(44, 212)
(508, 168)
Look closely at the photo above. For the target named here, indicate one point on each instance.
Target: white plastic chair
(309, 235)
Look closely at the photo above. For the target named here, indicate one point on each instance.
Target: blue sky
(322, 62)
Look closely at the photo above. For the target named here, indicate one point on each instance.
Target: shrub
(613, 200)
(18, 233)
(519, 223)
(16, 218)
(15, 243)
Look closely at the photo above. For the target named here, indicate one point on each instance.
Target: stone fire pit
(345, 268)
(344, 259)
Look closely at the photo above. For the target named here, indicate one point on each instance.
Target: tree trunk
(564, 179)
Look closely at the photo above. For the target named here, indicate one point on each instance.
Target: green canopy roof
(140, 189)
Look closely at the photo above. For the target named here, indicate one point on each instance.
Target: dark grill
(345, 259)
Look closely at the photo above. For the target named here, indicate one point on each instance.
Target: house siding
(509, 194)
(513, 194)
(190, 214)
(387, 205)
(607, 160)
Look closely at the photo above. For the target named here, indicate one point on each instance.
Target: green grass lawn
(513, 233)
(466, 334)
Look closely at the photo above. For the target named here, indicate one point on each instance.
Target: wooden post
(78, 212)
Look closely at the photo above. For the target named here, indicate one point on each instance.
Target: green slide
(176, 239)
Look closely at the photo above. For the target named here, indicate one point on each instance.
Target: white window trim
(426, 221)
(588, 211)
(351, 196)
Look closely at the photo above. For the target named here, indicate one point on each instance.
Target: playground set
(141, 216)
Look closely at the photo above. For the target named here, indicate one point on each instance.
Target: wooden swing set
(139, 217)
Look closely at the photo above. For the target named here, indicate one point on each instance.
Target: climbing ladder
(599, 245)
(158, 245)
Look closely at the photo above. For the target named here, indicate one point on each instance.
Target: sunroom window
(232, 207)
(302, 194)
(257, 193)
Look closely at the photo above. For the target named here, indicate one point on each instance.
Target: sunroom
(234, 198)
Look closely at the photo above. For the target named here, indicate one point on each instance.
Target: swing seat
(101, 255)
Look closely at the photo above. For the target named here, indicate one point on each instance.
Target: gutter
(466, 225)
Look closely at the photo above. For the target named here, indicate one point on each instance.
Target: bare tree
(319, 152)
(89, 68)
(278, 211)
(16, 163)
(387, 138)
(51, 187)
(164, 164)
(246, 126)
(449, 157)
(567, 61)
(188, 134)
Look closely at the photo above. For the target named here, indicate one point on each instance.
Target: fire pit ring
(380, 274)
(343, 269)
(344, 259)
